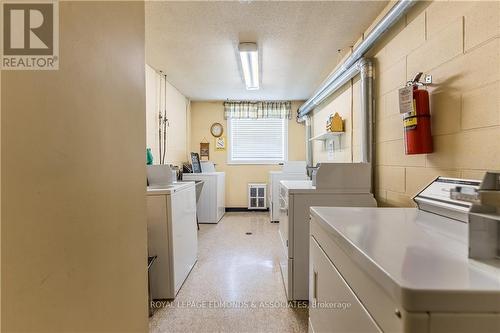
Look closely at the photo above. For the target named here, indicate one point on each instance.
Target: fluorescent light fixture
(249, 56)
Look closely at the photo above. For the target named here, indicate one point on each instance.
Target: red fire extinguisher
(417, 122)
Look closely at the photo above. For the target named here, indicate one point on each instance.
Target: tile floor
(239, 270)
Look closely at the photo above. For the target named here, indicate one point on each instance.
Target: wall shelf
(331, 142)
(326, 136)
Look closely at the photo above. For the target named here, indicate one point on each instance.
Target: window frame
(255, 161)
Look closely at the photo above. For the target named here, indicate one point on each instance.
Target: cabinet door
(333, 307)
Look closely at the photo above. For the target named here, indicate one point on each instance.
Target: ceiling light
(249, 56)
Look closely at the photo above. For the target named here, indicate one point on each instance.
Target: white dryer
(403, 269)
(348, 186)
(211, 206)
(172, 236)
(292, 170)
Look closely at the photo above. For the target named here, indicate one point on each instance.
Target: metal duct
(309, 144)
(366, 119)
(330, 85)
(353, 65)
(365, 68)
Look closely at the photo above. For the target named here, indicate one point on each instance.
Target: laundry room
(250, 166)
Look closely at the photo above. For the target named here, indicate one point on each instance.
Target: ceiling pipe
(330, 85)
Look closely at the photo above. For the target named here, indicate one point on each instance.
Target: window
(257, 141)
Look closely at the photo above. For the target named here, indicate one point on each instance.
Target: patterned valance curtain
(258, 109)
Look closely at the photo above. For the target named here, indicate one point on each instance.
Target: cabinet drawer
(333, 305)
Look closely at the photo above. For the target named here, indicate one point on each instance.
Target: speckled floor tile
(236, 285)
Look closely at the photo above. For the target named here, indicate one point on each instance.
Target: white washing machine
(292, 170)
(402, 269)
(296, 197)
(172, 236)
(211, 205)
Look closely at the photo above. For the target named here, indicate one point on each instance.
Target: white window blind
(261, 140)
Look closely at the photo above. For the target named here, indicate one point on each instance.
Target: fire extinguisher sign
(406, 99)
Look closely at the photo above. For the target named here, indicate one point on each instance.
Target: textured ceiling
(195, 43)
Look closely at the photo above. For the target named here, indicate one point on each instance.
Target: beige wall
(1, 220)
(203, 115)
(346, 148)
(73, 192)
(458, 43)
(176, 106)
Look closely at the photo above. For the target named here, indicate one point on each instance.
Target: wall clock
(217, 129)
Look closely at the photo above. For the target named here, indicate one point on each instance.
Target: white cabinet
(211, 206)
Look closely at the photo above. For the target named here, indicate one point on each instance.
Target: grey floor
(236, 285)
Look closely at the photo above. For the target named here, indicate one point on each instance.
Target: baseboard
(244, 209)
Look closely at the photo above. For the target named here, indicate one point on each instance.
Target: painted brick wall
(458, 43)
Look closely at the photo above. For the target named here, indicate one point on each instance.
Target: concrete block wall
(341, 102)
(458, 43)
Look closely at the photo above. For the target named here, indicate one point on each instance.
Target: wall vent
(257, 196)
